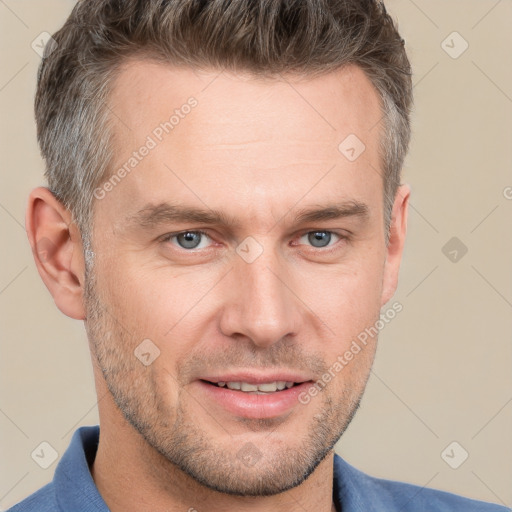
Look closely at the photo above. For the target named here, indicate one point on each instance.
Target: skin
(258, 151)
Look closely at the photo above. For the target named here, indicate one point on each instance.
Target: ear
(57, 248)
(397, 232)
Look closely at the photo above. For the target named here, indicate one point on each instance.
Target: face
(240, 253)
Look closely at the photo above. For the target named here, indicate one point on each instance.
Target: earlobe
(395, 247)
(57, 250)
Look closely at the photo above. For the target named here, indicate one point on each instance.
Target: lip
(253, 406)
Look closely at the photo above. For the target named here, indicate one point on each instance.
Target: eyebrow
(154, 215)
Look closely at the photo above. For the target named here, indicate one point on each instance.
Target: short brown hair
(263, 37)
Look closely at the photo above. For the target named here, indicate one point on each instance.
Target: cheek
(167, 308)
(351, 309)
(347, 300)
(148, 300)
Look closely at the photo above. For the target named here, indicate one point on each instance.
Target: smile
(263, 388)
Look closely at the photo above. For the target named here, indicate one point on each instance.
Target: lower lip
(254, 406)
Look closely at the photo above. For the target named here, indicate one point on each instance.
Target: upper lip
(252, 377)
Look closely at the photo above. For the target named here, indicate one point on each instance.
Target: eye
(320, 239)
(189, 239)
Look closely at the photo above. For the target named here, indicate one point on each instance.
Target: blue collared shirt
(73, 489)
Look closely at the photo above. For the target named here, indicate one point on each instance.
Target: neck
(132, 476)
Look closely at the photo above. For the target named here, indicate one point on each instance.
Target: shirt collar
(351, 488)
(74, 487)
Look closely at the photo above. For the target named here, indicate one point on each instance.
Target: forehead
(146, 90)
(214, 135)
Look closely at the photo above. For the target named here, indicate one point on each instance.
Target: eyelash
(326, 250)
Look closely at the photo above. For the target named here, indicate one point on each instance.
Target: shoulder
(413, 498)
(364, 491)
(72, 487)
(43, 500)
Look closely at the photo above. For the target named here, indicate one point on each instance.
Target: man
(225, 214)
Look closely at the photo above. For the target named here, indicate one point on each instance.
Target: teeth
(248, 387)
(266, 387)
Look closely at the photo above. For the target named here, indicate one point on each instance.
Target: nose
(260, 303)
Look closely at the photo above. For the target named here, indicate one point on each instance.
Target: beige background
(443, 369)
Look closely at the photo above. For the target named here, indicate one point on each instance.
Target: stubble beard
(183, 444)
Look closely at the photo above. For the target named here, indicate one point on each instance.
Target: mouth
(263, 388)
(253, 396)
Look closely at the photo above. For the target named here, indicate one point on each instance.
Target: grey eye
(189, 239)
(319, 238)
